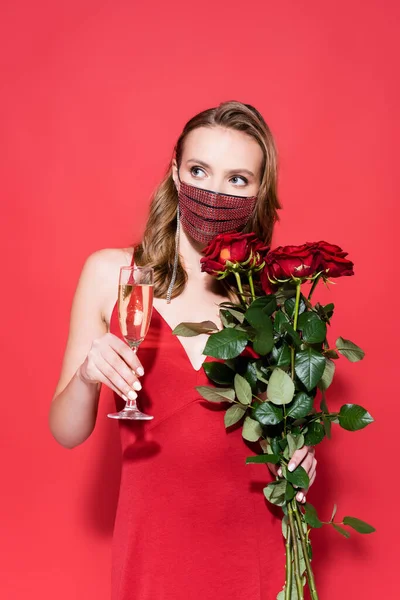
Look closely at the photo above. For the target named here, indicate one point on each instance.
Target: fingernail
(300, 496)
(132, 395)
(280, 472)
(292, 466)
(137, 385)
(140, 371)
(124, 397)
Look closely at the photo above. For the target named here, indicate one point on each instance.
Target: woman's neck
(191, 254)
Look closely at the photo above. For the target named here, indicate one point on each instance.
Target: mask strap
(176, 257)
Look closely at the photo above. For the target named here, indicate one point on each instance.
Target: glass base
(131, 414)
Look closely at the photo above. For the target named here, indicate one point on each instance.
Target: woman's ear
(175, 174)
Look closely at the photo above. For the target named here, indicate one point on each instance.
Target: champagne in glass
(135, 305)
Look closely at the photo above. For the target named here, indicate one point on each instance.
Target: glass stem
(131, 404)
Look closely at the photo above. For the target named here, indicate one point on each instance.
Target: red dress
(192, 522)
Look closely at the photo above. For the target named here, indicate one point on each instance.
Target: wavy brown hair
(157, 248)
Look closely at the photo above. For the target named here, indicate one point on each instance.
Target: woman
(191, 519)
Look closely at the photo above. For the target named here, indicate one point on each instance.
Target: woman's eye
(238, 180)
(194, 171)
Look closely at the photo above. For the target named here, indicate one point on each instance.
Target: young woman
(191, 519)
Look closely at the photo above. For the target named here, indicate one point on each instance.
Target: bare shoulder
(101, 272)
(103, 262)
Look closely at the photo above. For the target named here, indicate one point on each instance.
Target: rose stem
(288, 583)
(251, 284)
(310, 574)
(299, 584)
(239, 284)
(296, 315)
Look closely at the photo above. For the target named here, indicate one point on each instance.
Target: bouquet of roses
(275, 365)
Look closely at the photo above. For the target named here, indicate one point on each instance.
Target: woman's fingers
(103, 379)
(126, 353)
(121, 367)
(298, 456)
(301, 495)
(110, 376)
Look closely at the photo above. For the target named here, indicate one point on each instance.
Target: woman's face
(222, 160)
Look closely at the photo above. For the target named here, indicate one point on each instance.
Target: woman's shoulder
(101, 261)
(101, 272)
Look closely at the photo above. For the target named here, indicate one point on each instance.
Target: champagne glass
(135, 305)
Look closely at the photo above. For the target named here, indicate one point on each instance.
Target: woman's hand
(112, 362)
(304, 457)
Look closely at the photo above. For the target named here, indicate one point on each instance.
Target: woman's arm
(92, 355)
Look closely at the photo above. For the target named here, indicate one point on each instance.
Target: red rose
(286, 262)
(332, 260)
(234, 247)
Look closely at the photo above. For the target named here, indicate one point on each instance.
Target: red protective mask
(204, 214)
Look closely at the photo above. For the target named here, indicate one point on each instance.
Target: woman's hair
(157, 249)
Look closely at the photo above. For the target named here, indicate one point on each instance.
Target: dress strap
(133, 258)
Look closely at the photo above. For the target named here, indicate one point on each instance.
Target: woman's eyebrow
(230, 172)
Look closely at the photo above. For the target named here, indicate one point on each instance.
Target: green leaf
(309, 366)
(290, 492)
(268, 414)
(293, 335)
(242, 389)
(311, 516)
(285, 526)
(301, 406)
(354, 417)
(315, 434)
(219, 373)
(247, 369)
(227, 343)
(331, 353)
(303, 319)
(192, 329)
(263, 458)
(227, 319)
(279, 319)
(251, 430)
(358, 525)
(264, 338)
(299, 441)
(290, 304)
(275, 492)
(314, 330)
(262, 373)
(298, 477)
(239, 316)
(327, 375)
(233, 415)
(292, 444)
(328, 308)
(216, 394)
(276, 449)
(345, 533)
(281, 356)
(256, 316)
(280, 388)
(352, 352)
(266, 303)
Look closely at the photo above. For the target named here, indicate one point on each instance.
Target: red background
(94, 95)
